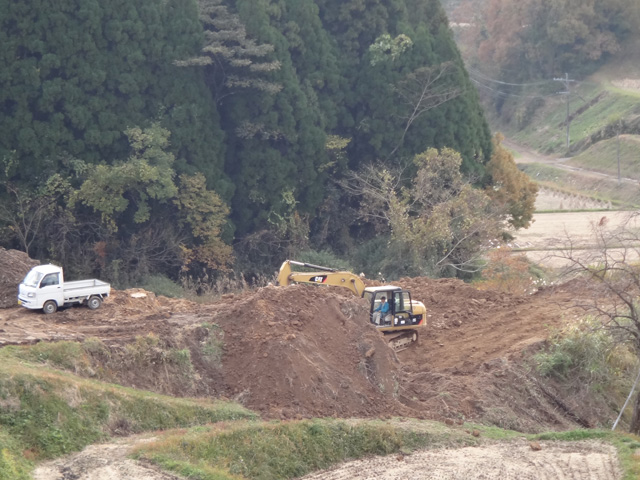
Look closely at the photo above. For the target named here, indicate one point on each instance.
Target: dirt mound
(14, 265)
(469, 364)
(303, 351)
(287, 352)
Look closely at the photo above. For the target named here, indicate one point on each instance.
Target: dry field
(552, 233)
(508, 461)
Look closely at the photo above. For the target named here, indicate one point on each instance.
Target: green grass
(289, 449)
(602, 157)
(162, 285)
(46, 413)
(281, 450)
(14, 461)
(591, 113)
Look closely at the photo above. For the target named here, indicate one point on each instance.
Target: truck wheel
(49, 307)
(94, 302)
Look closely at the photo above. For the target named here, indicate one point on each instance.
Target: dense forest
(184, 137)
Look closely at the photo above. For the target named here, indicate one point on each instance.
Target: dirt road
(526, 155)
(102, 462)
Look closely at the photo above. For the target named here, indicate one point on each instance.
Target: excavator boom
(323, 276)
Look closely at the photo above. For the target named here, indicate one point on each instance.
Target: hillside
(602, 108)
(301, 352)
(587, 181)
(287, 352)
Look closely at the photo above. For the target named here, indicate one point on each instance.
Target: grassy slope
(288, 450)
(547, 132)
(598, 104)
(46, 413)
(603, 157)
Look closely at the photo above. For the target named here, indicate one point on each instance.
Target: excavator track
(402, 340)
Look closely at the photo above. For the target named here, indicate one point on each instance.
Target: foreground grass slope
(46, 413)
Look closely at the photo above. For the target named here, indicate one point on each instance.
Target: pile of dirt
(287, 352)
(470, 364)
(303, 351)
(14, 265)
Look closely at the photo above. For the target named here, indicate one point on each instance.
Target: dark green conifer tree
(76, 74)
(387, 118)
(276, 140)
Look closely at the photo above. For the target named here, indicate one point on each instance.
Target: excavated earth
(303, 351)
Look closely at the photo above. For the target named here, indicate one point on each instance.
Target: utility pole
(566, 92)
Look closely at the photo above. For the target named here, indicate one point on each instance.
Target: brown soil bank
(305, 351)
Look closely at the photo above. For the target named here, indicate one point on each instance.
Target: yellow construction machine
(400, 325)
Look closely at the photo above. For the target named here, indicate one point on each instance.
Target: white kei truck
(44, 287)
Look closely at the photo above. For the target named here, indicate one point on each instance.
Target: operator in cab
(381, 311)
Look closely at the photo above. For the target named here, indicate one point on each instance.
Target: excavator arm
(323, 276)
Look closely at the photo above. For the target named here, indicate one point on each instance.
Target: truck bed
(84, 284)
(74, 291)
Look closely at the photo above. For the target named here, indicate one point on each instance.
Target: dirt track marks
(560, 461)
(101, 462)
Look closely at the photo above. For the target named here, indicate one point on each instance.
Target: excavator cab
(400, 306)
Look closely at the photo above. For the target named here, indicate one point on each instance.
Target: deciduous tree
(609, 265)
(439, 224)
(511, 187)
(157, 220)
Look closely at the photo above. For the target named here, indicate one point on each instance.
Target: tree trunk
(634, 426)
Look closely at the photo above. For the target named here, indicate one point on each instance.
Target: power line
(500, 82)
(508, 94)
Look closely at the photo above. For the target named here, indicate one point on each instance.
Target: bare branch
(424, 90)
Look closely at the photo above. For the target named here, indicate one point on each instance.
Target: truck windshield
(33, 278)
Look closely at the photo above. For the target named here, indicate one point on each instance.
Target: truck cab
(42, 283)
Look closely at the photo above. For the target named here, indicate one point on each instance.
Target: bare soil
(14, 265)
(304, 351)
(102, 462)
(510, 461)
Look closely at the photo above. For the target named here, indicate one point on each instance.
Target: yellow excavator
(405, 316)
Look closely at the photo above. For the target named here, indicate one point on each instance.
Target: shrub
(584, 353)
(64, 354)
(162, 285)
(324, 258)
(509, 272)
